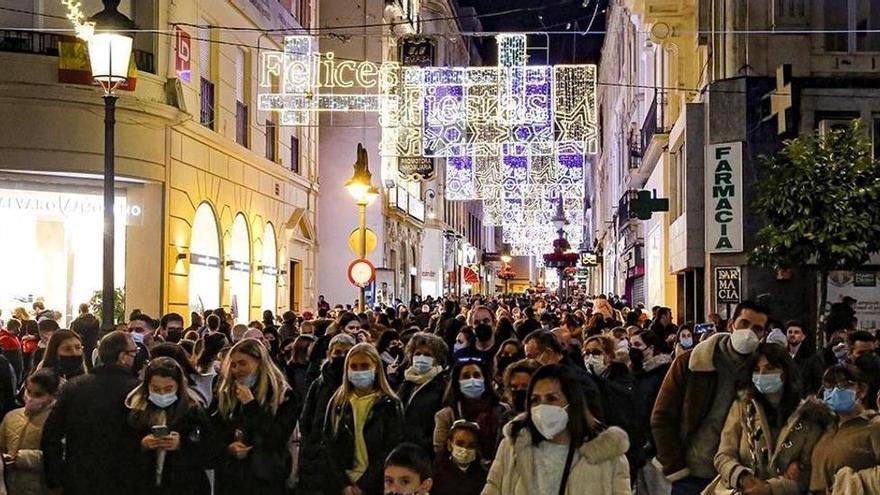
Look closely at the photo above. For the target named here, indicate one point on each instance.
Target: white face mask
(463, 456)
(595, 364)
(744, 341)
(549, 420)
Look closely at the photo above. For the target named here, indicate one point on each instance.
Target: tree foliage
(820, 199)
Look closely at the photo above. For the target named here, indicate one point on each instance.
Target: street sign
(354, 242)
(728, 285)
(361, 272)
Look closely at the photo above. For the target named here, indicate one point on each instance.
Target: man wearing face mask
(139, 327)
(695, 398)
(483, 323)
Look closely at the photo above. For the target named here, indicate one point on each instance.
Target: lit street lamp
(109, 55)
(361, 188)
(505, 268)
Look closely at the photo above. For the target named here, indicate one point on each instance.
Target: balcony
(401, 199)
(37, 43)
(654, 121)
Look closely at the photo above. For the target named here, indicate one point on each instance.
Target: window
(241, 100)
(208, 95)
(304, 14)
(271, 141)
(827, 121)
(294, 154)
(677, 183)
(859, 18)
(787, 12)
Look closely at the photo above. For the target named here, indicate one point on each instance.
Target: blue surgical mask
(362, 379)
(163, 400)
(138, 338)
(840, 400)
(422, 364)
(248, 381)
(686, 342)
(458, 346)
(770, 383)
(472, 388)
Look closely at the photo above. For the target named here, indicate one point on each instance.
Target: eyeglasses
(839, 384)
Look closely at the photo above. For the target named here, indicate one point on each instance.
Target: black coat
(647, 387)
(383, 431)
(8, 386)
(448, 329)
(420, 403)
(86, 448)
(450, 480)
(314, 408)
(297, 378)
(183, 471)
(810, 366)
(266, 468)
(87, 327)
(588, 384)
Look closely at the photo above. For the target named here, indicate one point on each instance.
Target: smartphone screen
(160, 430)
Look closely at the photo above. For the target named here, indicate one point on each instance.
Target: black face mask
(519, 400)
(69, 366)
(483, 332)
(337, 365)
(637, 357)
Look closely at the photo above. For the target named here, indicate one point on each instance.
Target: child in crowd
(408, 471)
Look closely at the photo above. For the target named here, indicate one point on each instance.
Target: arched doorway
(269, 277)
(204, 269)
(240, 270)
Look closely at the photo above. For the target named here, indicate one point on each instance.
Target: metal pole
(362, 224)
(109, 293)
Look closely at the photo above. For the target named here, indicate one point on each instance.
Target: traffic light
(641, 204)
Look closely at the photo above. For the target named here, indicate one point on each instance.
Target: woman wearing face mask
(21, 432)
(350, 323)
(845, 460)
(470, 396)
(363, 423)
(169, 423)
(460, 471)
(516, 384)
(511, 350)
(422, 390)
(64, 355)
(769, 436)
(207, 364)
(464, 349)
(311, 421)
(599, 354)
(557, 447)
(684, 340)
(390, 349)
(254, 416)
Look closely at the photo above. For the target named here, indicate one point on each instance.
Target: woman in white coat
(557, 447)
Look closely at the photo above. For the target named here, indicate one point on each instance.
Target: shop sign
(728, 285)
(724, 204)
(239, 266)
(589, 258)
(204, 260)
(66, 205)
(269, 271)
(429, 274)
(861, 286)
(417, 51)
(182, 53)
(415, 168)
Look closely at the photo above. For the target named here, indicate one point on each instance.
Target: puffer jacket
(20, 437)
(599, 466)
(769, 461)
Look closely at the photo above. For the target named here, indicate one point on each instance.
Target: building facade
(215, 203)
(704, 81)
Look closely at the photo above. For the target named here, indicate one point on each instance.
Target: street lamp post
(361, 188)
(506, 259)
(109, 56)
(560, 222)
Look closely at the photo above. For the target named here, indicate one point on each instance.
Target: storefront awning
(470, 276)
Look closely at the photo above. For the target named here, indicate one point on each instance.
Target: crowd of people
(512, 394)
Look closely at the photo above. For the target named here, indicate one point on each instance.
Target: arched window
(240, 270)
(204, 270)
(269, 281)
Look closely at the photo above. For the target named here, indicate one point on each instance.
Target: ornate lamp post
(361, 188)
(506, 272)
(109, 55)
(561, 257)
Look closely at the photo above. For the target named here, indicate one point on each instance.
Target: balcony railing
(654, 119)
(38, 43)
(206, 106)
(241, 123)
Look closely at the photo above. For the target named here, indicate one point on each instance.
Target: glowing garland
(83, 28)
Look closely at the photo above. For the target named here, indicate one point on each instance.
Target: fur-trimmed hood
(610, 444)
(701, 358)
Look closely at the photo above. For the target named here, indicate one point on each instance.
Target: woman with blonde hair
(254, 417)
(363, 424)
(168, 421)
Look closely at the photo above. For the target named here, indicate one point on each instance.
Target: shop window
(239, 270)
(269, 270)
(204, 269)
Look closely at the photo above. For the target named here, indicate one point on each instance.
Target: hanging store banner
(182, 53)
(415, 168)
(417, 51)
(864, 287)
(723, 194)
(728, 285)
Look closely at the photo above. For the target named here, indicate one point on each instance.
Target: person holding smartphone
(254, 415)
(167, 418)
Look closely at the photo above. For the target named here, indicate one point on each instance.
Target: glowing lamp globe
(110, 46)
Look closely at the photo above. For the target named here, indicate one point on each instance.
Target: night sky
(548, 15)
